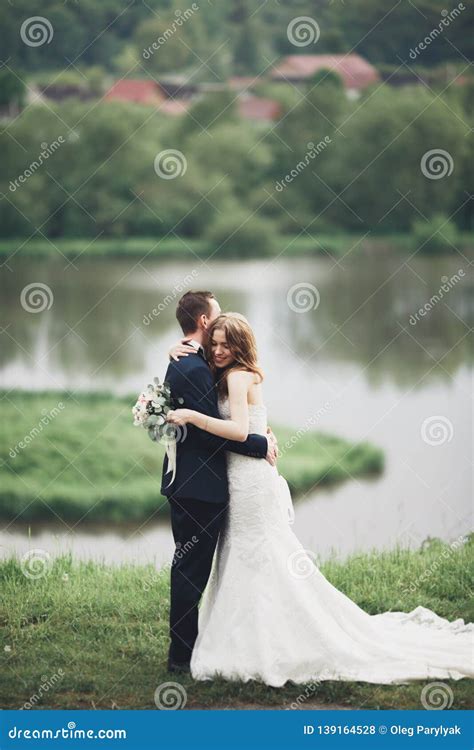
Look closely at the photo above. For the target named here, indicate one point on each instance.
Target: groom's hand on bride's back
(272, 451)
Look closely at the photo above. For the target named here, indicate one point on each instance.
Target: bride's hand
(179, 416)
(181, 350)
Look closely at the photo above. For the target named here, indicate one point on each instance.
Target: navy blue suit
(198, 498)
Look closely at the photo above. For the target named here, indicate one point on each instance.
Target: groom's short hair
(190, 307)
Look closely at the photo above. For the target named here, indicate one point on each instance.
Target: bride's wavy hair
(242, 344)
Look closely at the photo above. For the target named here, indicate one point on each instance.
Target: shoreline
(176, 248)
(108, 470)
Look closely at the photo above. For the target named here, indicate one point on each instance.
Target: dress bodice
(257, 415)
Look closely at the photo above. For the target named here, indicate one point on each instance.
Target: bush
(239, 233)
(438, 235)
(327, 76)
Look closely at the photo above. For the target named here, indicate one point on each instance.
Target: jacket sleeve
(199, 394)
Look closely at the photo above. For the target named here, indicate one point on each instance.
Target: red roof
(353, 69)
(135, 90)
(257, 108)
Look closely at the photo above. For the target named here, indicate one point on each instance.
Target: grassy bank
(176, 248)
(87, 459)
(98, 634)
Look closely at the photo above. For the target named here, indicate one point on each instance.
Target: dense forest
(362, 159)
(241, 34)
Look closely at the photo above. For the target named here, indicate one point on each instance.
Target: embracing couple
(247, 601)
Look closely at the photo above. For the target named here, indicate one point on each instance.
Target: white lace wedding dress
(269, 614)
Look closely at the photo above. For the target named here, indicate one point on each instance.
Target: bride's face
(221, 352)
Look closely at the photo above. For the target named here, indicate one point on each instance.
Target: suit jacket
(201, 469)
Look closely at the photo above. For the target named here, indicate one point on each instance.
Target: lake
(339, 341)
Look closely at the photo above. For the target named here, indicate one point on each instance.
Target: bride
(268, 613)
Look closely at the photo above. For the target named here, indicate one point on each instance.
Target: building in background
(356, 73)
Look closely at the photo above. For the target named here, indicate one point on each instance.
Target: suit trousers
(196, 526)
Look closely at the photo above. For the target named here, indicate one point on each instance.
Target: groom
(198, 495)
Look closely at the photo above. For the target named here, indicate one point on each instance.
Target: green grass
(176, 248)
(89, 460)
(106, 628)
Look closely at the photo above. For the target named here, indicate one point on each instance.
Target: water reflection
(95, 332)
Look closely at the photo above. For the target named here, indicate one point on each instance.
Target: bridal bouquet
(150, 412)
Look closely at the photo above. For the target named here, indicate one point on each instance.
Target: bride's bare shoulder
(240, 377)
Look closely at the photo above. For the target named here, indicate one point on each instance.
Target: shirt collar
(196, 345)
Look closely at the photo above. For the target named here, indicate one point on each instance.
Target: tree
(401, 157)
(163, 45)
(12, 89)
(247, 35)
